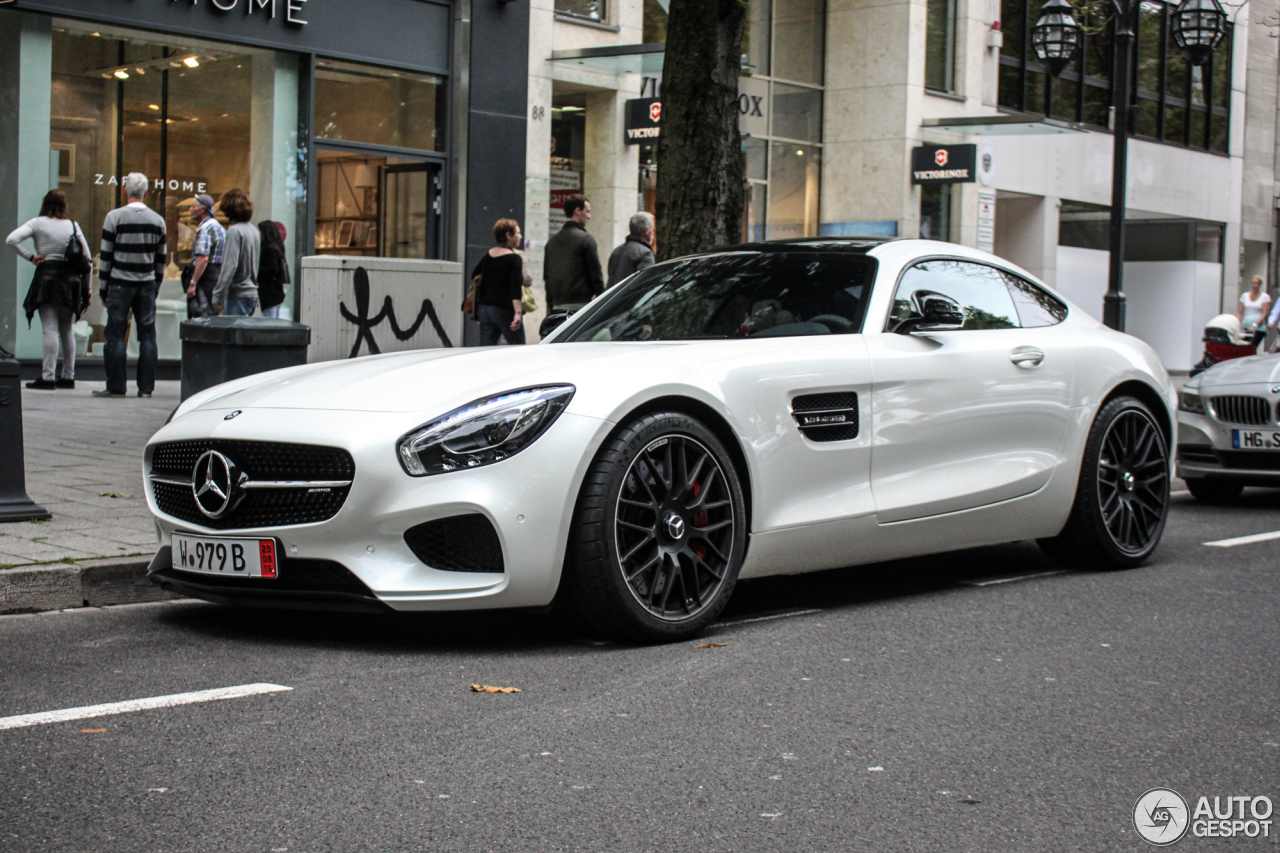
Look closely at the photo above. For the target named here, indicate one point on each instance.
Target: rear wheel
(1214, 491)
(659, 532)
(1122, 498)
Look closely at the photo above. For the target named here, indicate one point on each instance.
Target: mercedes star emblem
(213, 483)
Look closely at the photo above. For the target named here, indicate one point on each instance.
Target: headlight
(1189, 402)
(482, 432)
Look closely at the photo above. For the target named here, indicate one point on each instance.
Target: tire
(1214, 491)
(1122, 497)
(659, 531)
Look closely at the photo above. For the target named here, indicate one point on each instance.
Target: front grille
(827, 417)
(460, 543)
(1251, 411)
(259, 460)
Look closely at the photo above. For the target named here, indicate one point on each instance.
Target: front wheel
(659, 531)
(1122, 498)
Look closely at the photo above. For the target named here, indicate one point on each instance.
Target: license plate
(1255, 439)
(246, 558)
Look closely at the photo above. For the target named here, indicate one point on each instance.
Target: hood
(1243, 371)
(412, 381)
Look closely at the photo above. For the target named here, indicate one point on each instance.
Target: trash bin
(219, 349)
(14, 503)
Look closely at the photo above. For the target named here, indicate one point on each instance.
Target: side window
(1036, 307)
(980, 291)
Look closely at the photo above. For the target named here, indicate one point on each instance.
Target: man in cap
(206, 257)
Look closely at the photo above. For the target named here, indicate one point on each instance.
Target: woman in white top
(1252, 311)
(57, 292)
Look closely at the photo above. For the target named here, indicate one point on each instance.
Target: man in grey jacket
(636, 253)
(571, 266)
(131, 267)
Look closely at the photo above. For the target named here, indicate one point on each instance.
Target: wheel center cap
(1128, 481)
(674, 524)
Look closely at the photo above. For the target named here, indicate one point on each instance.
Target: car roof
(856, 245)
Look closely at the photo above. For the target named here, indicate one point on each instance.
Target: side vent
(827, 417)
(459, 543)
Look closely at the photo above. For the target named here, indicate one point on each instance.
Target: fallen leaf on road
(157, 790)
(92, 731)
(711, 646)
(484, 688)
(113, 495)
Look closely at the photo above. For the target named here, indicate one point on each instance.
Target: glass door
(410, 210)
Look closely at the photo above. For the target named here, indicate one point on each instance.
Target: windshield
(735, 295)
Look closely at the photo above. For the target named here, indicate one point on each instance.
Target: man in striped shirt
(131, 268)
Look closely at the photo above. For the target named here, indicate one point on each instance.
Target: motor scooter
(1223, 341)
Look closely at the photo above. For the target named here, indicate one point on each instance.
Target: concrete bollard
(14, 503)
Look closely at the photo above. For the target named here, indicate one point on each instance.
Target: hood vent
(827, 417)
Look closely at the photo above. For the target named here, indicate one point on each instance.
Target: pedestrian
(571, 265)
(60, 287)
(1252, 310)
(236, 294)
(206, 257)
(636, 253)
(273, 268)
(499, 292)
(130, 271)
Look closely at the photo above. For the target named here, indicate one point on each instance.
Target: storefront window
(592, 10)
(799, 39)
(758, 33)
(935, 213)
(379, 106)
(940, 45)
(794, 176)
(797, 112)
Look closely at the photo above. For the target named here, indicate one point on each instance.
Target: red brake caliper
(700, 519)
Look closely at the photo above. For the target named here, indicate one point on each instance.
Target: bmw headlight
(1190, 402)
(482, 432)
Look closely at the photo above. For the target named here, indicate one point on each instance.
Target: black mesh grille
(460, 543)
(1250, 460)
(1253, 411)
(260, 460)
(811, 410)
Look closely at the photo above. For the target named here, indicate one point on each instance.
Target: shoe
(42, 385)
(105, 393)
(144, 393)
(66, 383)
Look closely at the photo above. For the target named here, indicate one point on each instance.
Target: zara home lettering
(292, 8)
(175, 185)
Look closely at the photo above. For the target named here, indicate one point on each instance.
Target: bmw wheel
(659, 532)
(1122, 499)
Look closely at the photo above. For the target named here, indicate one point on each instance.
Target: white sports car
(767, 409)
(1229, 428)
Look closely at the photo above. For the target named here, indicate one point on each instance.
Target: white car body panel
(958, 447)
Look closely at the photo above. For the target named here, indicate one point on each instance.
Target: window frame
(912, 264)
(948, 50)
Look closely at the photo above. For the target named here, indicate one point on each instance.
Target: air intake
(827, 417)
(459, 543)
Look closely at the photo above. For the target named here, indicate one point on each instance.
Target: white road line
(1179, 493)
(110, 708)
(765, 618)
(1245, 540)
(994, 581)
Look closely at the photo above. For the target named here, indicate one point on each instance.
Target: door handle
(1027, 357)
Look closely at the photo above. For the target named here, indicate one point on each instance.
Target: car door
(971, 416)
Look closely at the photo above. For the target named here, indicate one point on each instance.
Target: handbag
(528, 302)
(470, 305)
(75, 256)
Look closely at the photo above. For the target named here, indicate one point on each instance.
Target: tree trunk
(700, 163)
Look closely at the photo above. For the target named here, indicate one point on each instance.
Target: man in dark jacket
(635, 254)
(571, 266)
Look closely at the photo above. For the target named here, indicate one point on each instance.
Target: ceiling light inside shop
(800, 152)
(191, 62)
(140, 71)
(153, 106)
(122, 74)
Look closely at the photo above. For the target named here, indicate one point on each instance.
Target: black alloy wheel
(1122, 498)
(660, 531)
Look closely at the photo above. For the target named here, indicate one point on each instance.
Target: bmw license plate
(246, 558)
(1255, 439)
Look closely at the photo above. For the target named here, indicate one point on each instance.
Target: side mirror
(553, 321)
(931, 312)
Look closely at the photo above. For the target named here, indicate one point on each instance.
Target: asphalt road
(913, 711)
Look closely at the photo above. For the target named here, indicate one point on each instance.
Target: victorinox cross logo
(213, 482)
(940, 156)
(655, 111)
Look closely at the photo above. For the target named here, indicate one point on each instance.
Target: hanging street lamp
(1198, 27)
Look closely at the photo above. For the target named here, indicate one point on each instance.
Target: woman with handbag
(60, 288)
(500, 287)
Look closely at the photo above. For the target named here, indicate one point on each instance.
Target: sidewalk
(84, 465)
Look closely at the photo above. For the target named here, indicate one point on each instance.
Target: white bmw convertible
(767, 409)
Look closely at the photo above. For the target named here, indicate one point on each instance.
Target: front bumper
(1205, 452)
(529, 499)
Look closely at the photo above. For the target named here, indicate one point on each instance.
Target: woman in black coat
(273, 269)
(501, 273)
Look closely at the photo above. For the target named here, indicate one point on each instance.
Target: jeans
(277, 312)
(56, 321)
(200, 305)
(238, 306)
(141, 300)
(495, 323)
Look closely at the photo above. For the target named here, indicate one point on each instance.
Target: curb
(95, 584)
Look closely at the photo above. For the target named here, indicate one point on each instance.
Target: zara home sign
(292, 8)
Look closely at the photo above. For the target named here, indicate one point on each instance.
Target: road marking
(765, 618)
(1245, 540)
(1179, 493)
(994, 581)
(90, 711)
